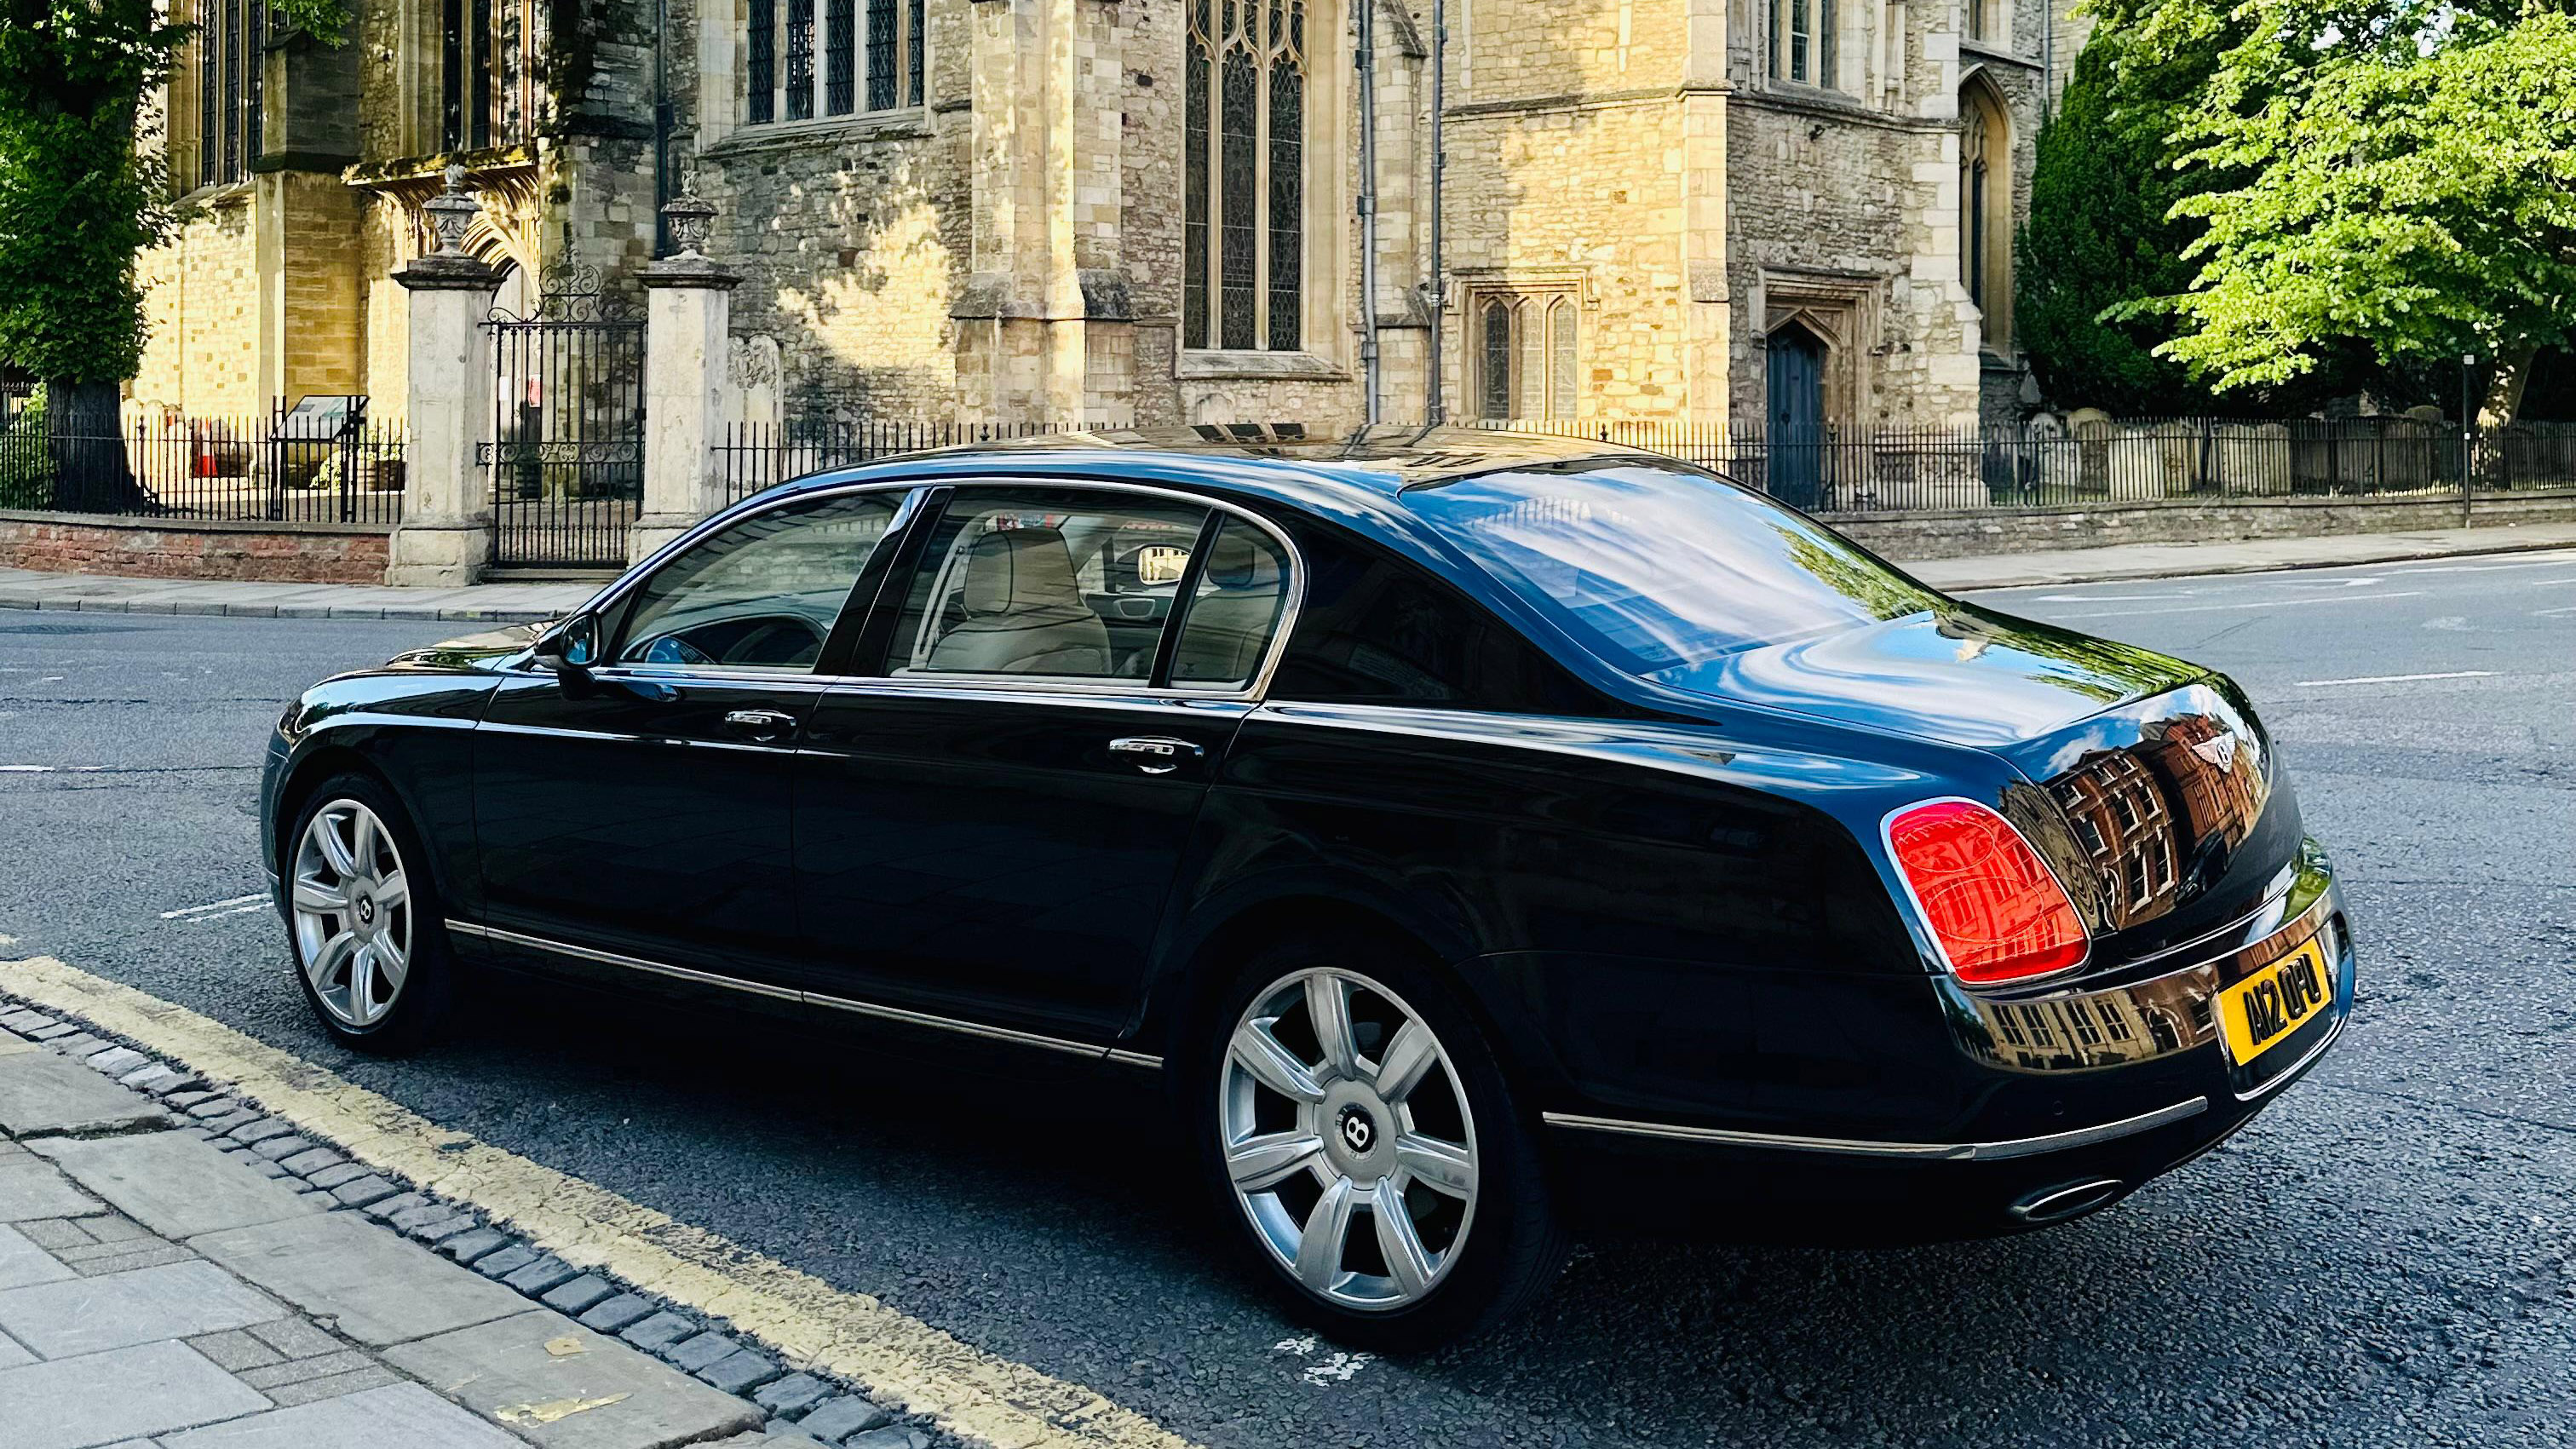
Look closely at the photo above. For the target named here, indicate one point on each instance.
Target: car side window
(1234, 612)
(1070, 585)
(760, 595)
(1374, 629)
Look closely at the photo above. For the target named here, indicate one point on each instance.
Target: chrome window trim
(1259, 687)
(811, 998)
(1855, 1147)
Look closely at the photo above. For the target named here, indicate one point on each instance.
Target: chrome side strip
(1921, 1151)
(632, 963)
(812, 998)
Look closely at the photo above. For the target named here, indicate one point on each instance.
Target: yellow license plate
(2258, 1012)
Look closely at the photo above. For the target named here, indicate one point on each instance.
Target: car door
(639, 805)
(988, 825)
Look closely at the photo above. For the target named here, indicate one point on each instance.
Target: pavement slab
(91, 1315)
(396, 1416)
(43, 1094)
(174, 1184)
(31, 1189)
(566, 1387)
(381, 1289)
(22, 1262)
(97, 1398)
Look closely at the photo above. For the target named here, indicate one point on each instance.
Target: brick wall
(1968, 533)
(262, 553)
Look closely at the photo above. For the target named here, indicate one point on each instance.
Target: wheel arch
(324, 760)
(1222, 937)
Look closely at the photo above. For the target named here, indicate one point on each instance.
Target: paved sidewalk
(178, 1270)
(481, 603)
(2172, 560)
(520, 603)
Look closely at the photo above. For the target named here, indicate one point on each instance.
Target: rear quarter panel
(1655, 919)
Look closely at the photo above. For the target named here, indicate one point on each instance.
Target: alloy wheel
(1348, 1139)
(353, 916)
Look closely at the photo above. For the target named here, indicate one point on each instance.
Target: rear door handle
(1155, 754)
(759, 724)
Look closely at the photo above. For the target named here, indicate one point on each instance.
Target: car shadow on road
(1047, 1213)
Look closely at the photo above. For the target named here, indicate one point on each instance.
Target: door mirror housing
(570, 647)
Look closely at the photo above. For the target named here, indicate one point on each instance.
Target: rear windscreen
(1655, 565)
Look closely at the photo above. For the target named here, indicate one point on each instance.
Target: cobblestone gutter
(794, 1406)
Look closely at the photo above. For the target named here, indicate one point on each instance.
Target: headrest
(1015, 569)
(1239, 559)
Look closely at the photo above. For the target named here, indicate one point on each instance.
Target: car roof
(1367, 467)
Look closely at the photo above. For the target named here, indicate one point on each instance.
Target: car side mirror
(570, 647)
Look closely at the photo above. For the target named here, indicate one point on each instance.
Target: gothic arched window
(1243, 191)
(1985, 208)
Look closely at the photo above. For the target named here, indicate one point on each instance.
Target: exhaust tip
(2066, 1200)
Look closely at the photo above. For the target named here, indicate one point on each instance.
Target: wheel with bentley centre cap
(1363, 1139)
(362, 919)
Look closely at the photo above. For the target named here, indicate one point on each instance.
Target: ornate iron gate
(566, 460)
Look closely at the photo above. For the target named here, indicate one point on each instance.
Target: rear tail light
(1995, 909)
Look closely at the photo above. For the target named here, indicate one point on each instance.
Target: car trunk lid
(2152, 789)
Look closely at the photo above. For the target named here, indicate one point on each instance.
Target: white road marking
(2259, 604)
(978, 1396)
(2398, 678)
(227, 907)
(2553, 613)
(2456, 623)
(49, 769)
(1338, 1368)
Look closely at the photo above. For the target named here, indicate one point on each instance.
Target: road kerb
(978, 1396)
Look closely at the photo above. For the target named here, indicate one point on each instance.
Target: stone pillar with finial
(686, 344)
(445, 537)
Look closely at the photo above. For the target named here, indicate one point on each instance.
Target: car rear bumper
(2077, 1119)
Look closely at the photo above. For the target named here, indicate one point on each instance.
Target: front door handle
(759, 724)
(1155, 754)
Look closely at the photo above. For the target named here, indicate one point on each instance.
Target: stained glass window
(1196, 153)
(209, 98)
(840, 57)
(762, 84)
(800, 60)
(863, 55)
(232, 90)
(912, 66)
(1244, 194)
(254, 79)
(881, 54)
(1496, 401)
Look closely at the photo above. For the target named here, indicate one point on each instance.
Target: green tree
(2399, 175)
(2100, 236)
(82, 190)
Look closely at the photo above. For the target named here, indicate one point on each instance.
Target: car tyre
(365, 934)
(1473, 1237)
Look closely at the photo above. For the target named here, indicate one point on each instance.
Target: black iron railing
(279, 468)
(1895, 469)
(753, 456)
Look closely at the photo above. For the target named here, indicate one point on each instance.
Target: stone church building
(1148, 211)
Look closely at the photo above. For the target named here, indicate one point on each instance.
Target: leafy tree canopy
(81, 191)
(2395, 174)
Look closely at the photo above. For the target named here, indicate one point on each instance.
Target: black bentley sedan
(1481, 835)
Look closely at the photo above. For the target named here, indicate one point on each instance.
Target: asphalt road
(2382, 1258)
